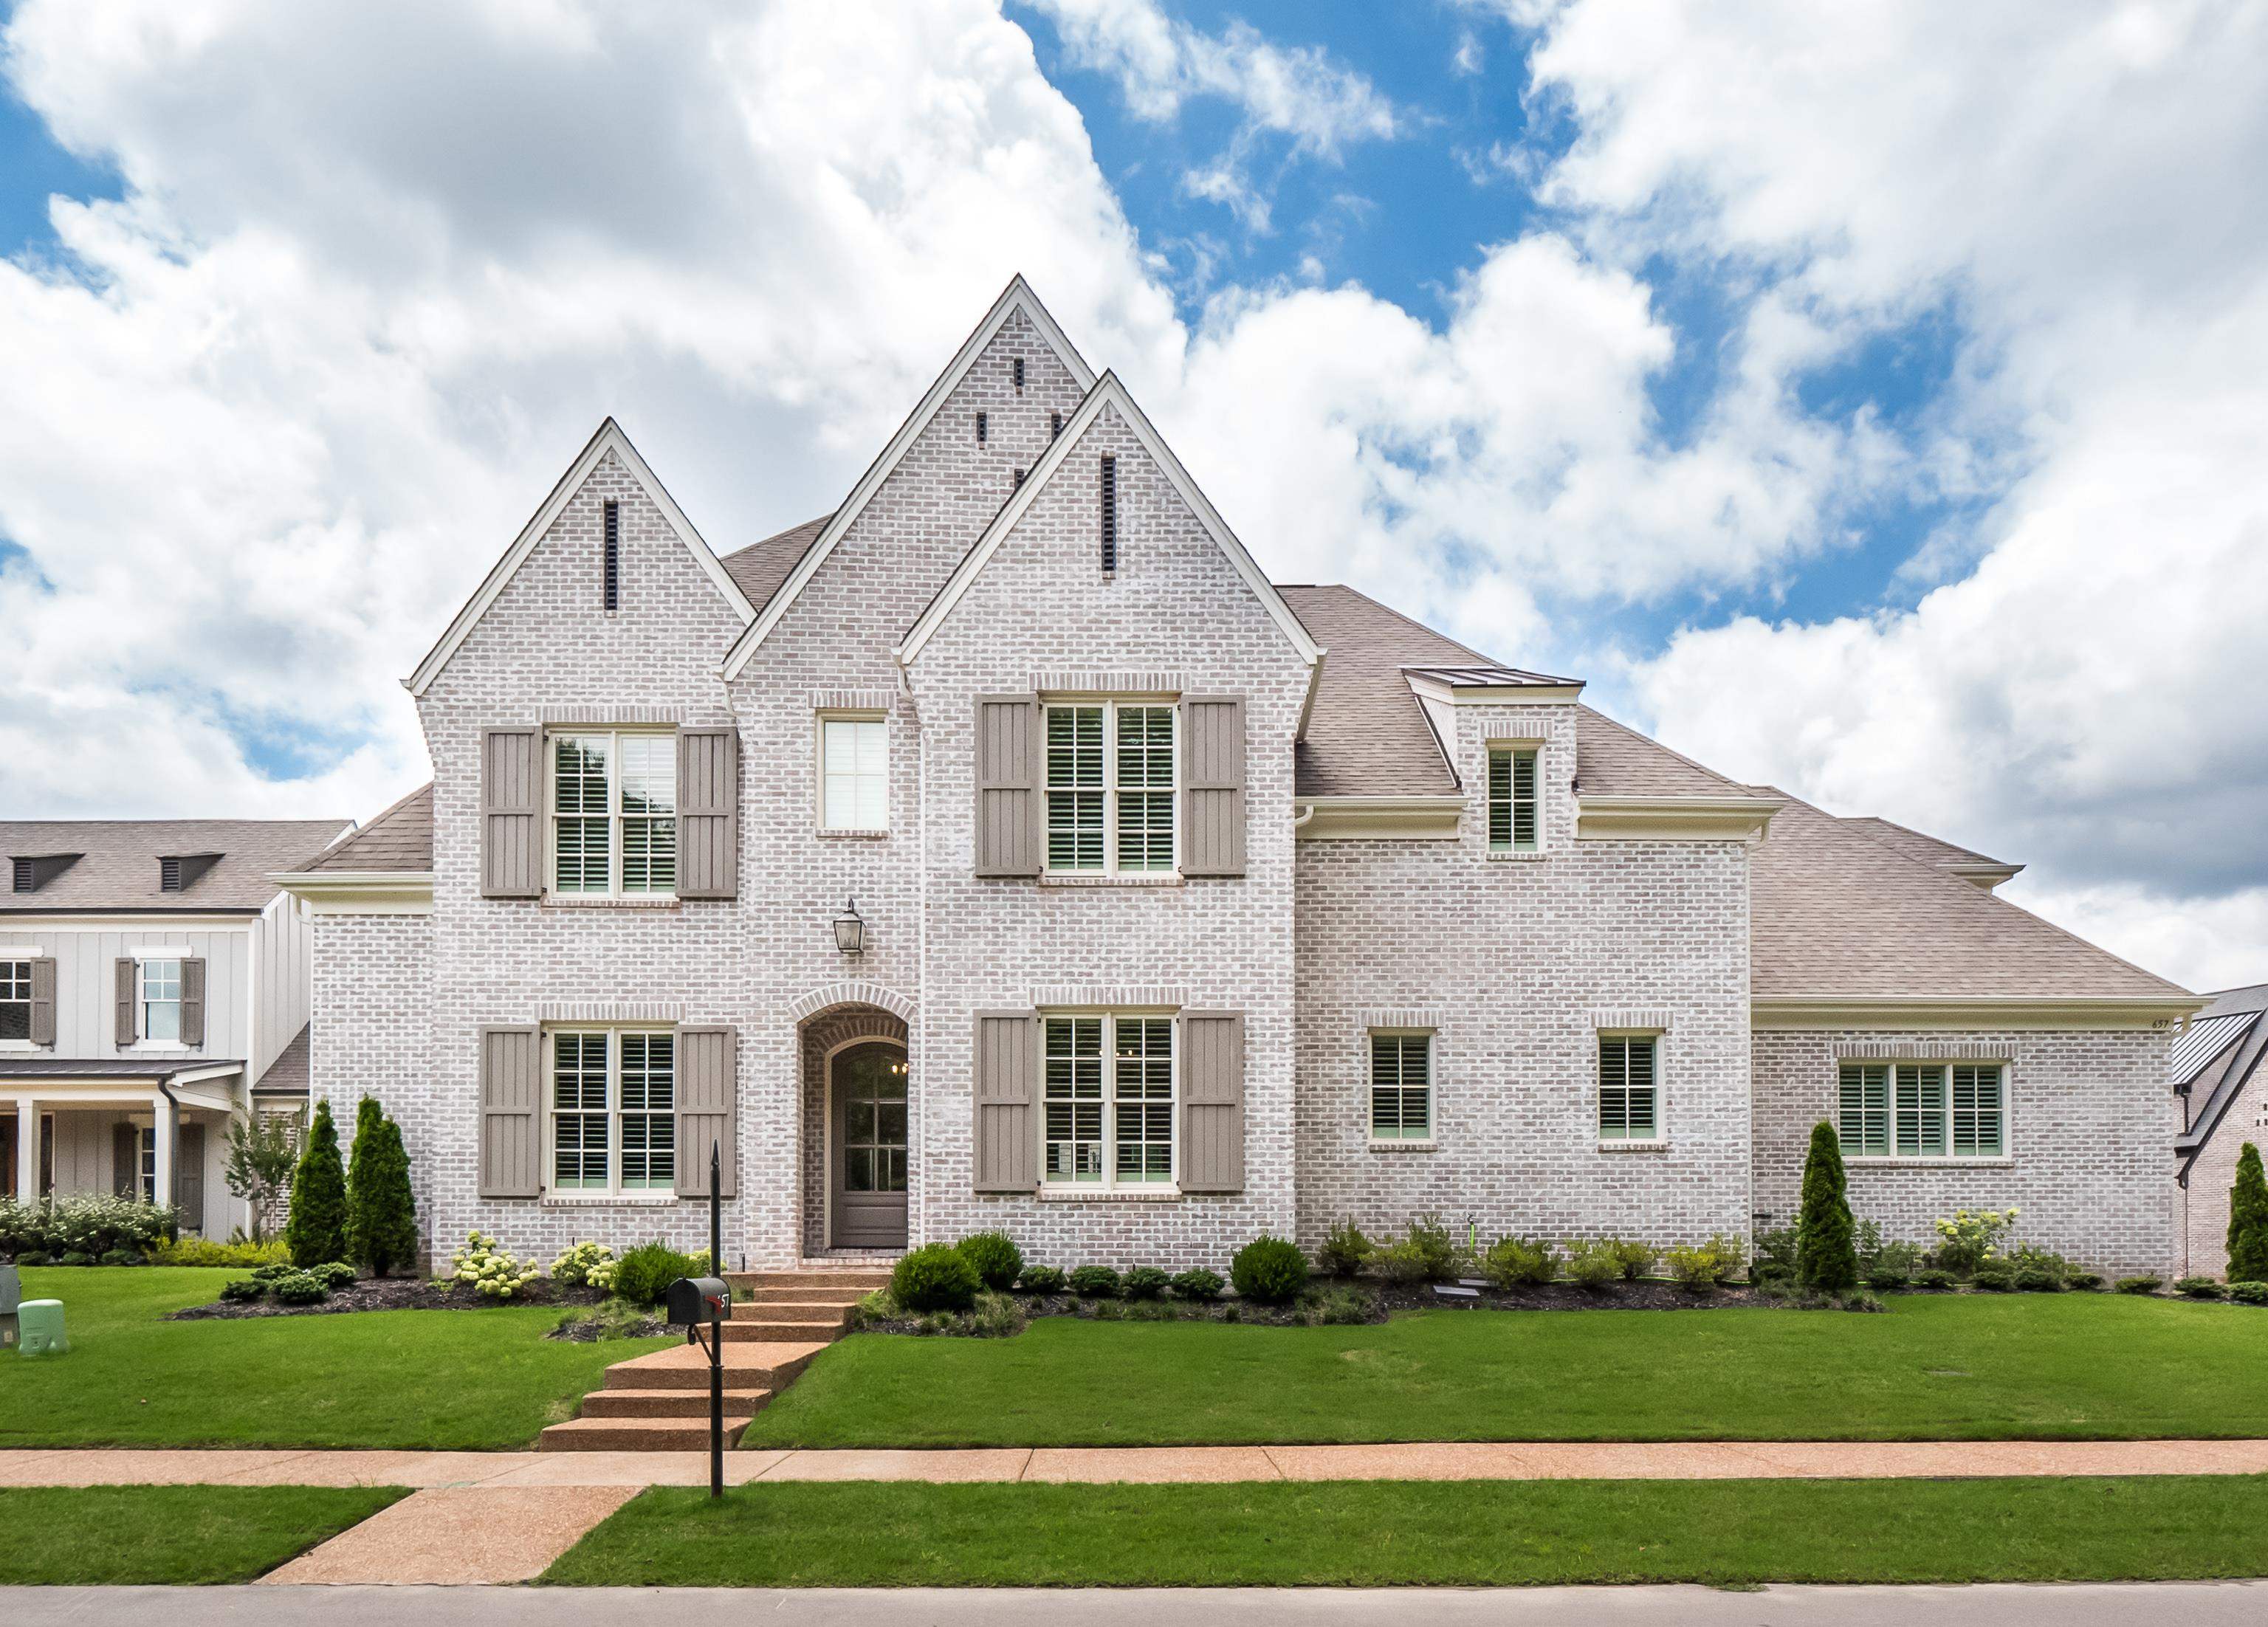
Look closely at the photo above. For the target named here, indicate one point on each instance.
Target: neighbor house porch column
(162, 1189)
(27, 1149)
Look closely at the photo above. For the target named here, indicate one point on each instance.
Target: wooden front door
(867, 1093)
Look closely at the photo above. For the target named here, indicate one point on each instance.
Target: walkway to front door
(867, 1093)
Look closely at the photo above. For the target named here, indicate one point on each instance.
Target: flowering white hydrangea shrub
(586, 1265)
(489, 1269)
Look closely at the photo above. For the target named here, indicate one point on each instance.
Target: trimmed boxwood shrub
(300, 1288)
(994, 1257)
(643, 1274)
(2139, 1285)
(1888, 1280)
(1041, 1279)
(123, 1257)
(1268, 1271)
(2249, 1293)
(333, 1273)
(242, 1290)
(2200, 1288)
(2085, 1281)
(1933, 1278)
(934, 1277)
(1199, 1285)
(75, 1258)
(1095, 1282)
(1144, 1282)
(2039, 1282)
(31, 1259)
(1993, 1278)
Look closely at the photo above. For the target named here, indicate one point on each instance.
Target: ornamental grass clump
(488, 1270)
(994, 1257)
(1268, 1271)
(934, 1277)
(1826, 1255)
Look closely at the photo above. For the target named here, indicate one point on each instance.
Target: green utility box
(41, 1325)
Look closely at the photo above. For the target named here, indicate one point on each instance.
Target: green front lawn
(1474, 1534)
(471, 1379)
(80, 1536)
(1933, 1367)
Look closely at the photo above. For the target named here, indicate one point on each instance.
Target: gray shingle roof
(760, 568)
(1369, 736)
(400, 838)
(287, 1075)
(118, 867)
(1917, 844)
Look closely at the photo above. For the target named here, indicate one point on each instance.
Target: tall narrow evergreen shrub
(2248, 1220)
(381, 1210)
(318, 1228)
(1826, 1257)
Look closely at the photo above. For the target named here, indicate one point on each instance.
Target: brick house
(2222, 1093)
(1003, 849)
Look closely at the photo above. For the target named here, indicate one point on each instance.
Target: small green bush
(1199, 1286)
(2200, 1288)
(1636, 1258)
(1095, 1282)
(1399, 1262)
(2083, 1282)
(1970, 1238)
(1777, 1249)
(1433, 1245)
(1933, 1278)
(2031, 1280)
(2139, 1285)
(642, 1275)
(1145, 1282)
(32, 1259)
(2249, 1293)
(300, 1288)
(1994, 1278)
(1887, 1280)
(1338, 1305)
(994, 1257)
(1041, 1279)
(1520, 1263)
(201, 1251)
(273, 1269)
(1694, 1268)
(242, 1290)
(76, 1256)
(332, 1274)
(123, 1257)
(1593, 1264)
(586, 1265)
(1860, 1299)
(1344, 1249)
(1268, 1271)
(934, 1277)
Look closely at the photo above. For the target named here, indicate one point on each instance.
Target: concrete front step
(635, 1435)
(763, 1329)
(814, 1314)
(686, 1366)
(791, 1293)
(670, 1403)
(862, 1279)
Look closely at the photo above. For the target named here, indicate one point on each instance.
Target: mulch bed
(393, 1293)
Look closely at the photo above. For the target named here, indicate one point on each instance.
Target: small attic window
(169, 872)
(1054, 424)
(1016, 368)
(26, 876)
(611, 569)
(1110, 514)
(980, 424)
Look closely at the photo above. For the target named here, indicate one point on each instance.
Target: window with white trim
(158, 995)
(1110, 787)
(1513, 818)
(613, 814)
(15, 1001)
(1108, 1099)
(853, 773)
(1922, 1110)
(613, 1110)
(1401, 1086)
(1629, 1087)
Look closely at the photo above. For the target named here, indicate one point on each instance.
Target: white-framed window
(1922, 1110)
(1401, 1086)
(1108, 1099)
(1513, 816)
(159, 994)
(613, 1110)
(854, 786)
(613, 814)
(1629, 1087)
(1111, 785)
(15, 1002)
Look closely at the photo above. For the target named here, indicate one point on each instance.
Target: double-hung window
(614, 814)
(613, 1110)
(1110, 787)
(1629, 1088)
(1109, 1099)
(1401, 1086)
(15, 1002)
(1513, 819)
(159, 994)
(1921, 1109)
(853, 774)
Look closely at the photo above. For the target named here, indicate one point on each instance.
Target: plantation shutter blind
(1006, 1146)
(1401, 1086)
(1010, 832)
(709, 813)
(1626, 1089)
(511, 812)
(193, 1001)
(123, 1012)
(1977, 1112)
(1213, 1102)
(1921, 1110)
(1863, 1126)
(1213, 795)
(707, 1110)
(43, 1006)
(1511, 809)
(511, 1105)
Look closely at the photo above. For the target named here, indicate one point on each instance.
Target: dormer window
(1511, 803)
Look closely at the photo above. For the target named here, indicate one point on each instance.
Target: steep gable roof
(118, 868)
(609, 438)
(1108, 392)
(761, 568)
(1368, 734)
(1017, 297)
(399, 839)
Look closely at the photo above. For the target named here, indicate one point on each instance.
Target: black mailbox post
(694, 1300)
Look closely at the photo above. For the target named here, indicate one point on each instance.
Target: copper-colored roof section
(760, 568)
(1369, 736)
(117, 864)
(400, 838)
(1928, 848)
(1836, 912)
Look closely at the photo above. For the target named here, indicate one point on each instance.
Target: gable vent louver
(1110, 514)
(169, 875)
(26, 876)
(1017, 369)
(611, 569)
(1016, 480)
(1054, 424)
(981, 426)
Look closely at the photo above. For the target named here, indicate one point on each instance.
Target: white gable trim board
(1017, 296)
(608, 438)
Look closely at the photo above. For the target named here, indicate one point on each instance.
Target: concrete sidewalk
(1422, 1461)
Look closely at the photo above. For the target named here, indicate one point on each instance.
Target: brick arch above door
(851, 994)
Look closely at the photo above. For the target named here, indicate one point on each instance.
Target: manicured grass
(1470, 1533)
(472, 1378)
(2062, 1366)
(78, 1536)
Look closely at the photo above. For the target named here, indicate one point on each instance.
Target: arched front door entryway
(867, 1145)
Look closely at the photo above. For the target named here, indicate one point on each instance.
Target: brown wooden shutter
(511, 812)
(189, 1175)
(193, 1001)
(1007, 1140)
(122, 1028)
(1213, 1102)
(708, 813)
(707, 1110)
(1213, 790)
(1011, 754)
(43, 1008)
(125, 1160)
(511, 1107)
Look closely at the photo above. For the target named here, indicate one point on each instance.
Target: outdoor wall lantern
(851, 928)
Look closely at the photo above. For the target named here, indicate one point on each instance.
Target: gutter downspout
(172, 1140)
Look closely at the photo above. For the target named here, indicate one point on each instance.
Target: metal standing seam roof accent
(110, 1067)
(118, 871)
(1486, 676)
(2215, 1060)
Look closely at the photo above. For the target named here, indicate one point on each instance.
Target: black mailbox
(694, 1299)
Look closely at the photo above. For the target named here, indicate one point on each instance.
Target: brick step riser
(688, 1403)
(628, 1435)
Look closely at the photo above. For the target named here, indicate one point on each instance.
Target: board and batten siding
(284, 943)
(86, 991)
